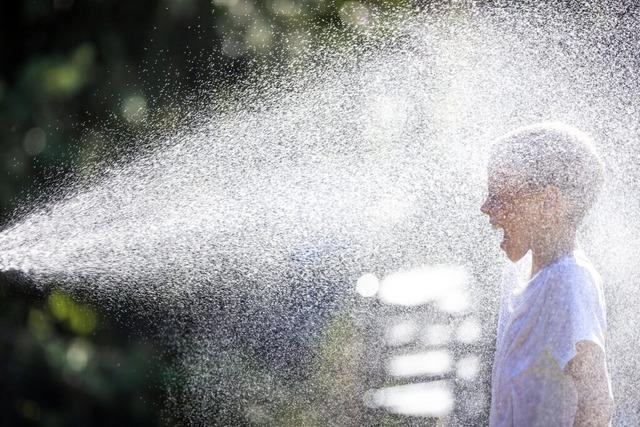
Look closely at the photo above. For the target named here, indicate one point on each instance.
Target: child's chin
(514, 254)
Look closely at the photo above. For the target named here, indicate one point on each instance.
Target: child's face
(514, 209)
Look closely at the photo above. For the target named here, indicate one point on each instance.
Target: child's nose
(485, 208)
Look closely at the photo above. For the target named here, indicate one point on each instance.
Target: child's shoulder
(575, 264)
(574, 275)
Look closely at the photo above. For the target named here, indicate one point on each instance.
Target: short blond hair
(553, 153)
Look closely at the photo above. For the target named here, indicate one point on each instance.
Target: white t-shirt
(539, 324)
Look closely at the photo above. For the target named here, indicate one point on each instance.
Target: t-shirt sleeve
(574, 311)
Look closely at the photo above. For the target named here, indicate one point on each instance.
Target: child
(550, 366)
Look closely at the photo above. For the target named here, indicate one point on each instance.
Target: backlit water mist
(366, 160)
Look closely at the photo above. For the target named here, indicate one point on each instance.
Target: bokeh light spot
(35, 141)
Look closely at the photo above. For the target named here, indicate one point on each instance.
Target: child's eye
(500, 199)
(493, 200)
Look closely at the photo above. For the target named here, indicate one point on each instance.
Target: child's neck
(555, 247)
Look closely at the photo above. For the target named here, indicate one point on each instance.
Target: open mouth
(499, 228)
(504, 238)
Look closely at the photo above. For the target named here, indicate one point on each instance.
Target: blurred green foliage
(78, 77)
(63, 364)
(73, 71)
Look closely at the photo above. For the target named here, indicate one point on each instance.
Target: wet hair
(552, 154)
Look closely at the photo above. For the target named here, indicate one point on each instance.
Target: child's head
(543, 179)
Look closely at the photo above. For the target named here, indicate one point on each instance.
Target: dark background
(78, 81)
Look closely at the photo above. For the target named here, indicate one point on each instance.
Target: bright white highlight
(367, 285)
(468, 367)
(434, 399)
(437, 334)
(411, 365)
(442, 284)
(401, 333)
(469, 331)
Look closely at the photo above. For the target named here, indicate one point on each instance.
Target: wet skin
(516, 210)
